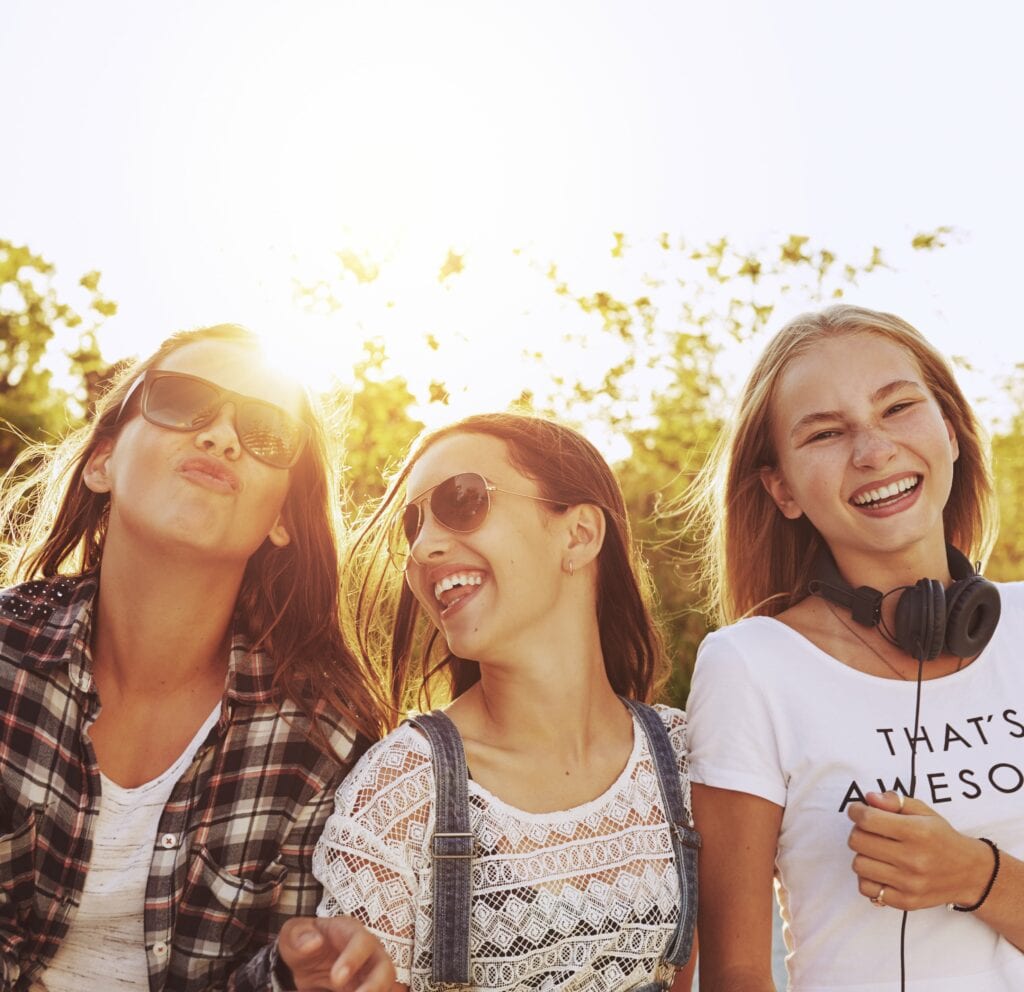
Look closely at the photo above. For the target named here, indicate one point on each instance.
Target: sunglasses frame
(147, 378)
(401, 560)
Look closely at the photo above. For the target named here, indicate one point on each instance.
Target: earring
(572, 568)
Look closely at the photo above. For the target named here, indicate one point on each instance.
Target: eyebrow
(881, 393)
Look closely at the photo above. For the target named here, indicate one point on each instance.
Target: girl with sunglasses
(870, 703)
(536, 832)
(177, 705)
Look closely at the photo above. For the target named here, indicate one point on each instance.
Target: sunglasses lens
(269, 433)
(183, 403)
(180, 404)
(411, 522)
(460, 503)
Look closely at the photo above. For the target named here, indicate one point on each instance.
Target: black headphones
(930, 619)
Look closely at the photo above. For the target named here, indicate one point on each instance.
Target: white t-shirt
(772, 715)
(584, 899)
(106, 945)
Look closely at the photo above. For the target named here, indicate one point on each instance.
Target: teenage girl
(854, 470)
(535, 834)
(177, 706)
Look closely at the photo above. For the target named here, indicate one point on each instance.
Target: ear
(775, 484)
(96, 474)
(279, 535)
(586, 529)
(954, 444)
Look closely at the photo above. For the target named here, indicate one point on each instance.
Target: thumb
(300, 941)
(896, 802)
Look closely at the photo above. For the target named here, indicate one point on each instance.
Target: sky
(205, 155)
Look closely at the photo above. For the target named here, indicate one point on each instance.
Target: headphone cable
(913, 792)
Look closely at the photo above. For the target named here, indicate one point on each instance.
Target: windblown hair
(289, 597)
(753, 559)
(390, 631)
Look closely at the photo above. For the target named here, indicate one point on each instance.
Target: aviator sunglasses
(460, 504)
(182, 402)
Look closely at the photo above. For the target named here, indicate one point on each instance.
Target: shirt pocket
(220, 913)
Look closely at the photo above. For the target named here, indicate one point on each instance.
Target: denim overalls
(452, 844)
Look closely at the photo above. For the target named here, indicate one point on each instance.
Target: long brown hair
(289, 597)
(755, 561)
(390, 630)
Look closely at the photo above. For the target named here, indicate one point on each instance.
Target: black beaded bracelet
(988, 888)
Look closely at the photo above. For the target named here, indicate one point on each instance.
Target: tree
(34, 323)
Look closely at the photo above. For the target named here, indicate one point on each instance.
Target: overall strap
(451, 849)
(685, 840)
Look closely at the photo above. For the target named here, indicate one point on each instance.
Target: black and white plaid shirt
(232, 855)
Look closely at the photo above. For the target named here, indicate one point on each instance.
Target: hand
(909, 857)
(337, 953)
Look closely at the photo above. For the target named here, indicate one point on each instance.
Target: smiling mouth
(454, 588)
(887, 495)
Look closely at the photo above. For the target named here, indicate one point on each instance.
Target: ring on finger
(901, 799)
(879, 900)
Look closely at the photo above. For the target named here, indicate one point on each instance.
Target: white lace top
(586, 898)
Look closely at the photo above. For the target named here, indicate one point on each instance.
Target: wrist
(984, 877)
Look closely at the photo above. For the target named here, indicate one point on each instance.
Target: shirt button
(168, 841)
(160, 949)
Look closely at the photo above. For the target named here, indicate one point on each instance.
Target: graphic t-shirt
(772, 715)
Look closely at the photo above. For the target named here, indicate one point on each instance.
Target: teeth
(451, 581)
(886, 492)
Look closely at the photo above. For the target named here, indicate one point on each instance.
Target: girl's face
(863, 448)
(495, 590)
(198, 491)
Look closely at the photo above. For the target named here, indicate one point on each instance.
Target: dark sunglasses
(459, 504)
(182, 402)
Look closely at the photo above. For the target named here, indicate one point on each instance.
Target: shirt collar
(59, 611)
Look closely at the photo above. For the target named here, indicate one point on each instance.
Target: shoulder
(397, 769)
(1011, 596)
(41, 620)
(747, 645)
(674, 722)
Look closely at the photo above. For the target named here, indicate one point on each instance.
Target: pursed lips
(210, 473)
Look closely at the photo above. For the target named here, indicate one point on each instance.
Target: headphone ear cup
(972, 613)
(921, 619)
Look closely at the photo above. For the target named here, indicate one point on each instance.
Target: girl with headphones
(841, 511)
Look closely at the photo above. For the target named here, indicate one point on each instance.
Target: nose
(872, 448)
(432, 542)
(219, 436)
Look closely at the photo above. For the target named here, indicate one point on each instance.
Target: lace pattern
(584, 899)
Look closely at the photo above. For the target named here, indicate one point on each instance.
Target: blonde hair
(754, 560)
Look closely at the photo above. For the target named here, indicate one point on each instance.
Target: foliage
(379, 428)
(34, 321)
(1007, 561)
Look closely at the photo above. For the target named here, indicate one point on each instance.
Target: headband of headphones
(865, 603)
(930, 619)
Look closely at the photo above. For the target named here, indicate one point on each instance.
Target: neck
(894, 570)
(553, 700)
(161, 624)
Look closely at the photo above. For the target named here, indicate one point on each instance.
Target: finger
(877, 872)
(379, 978)
(356, 952)
(875, 845)
(889, 802)
(300, 940)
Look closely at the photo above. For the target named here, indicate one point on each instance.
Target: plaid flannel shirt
(232, 858)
